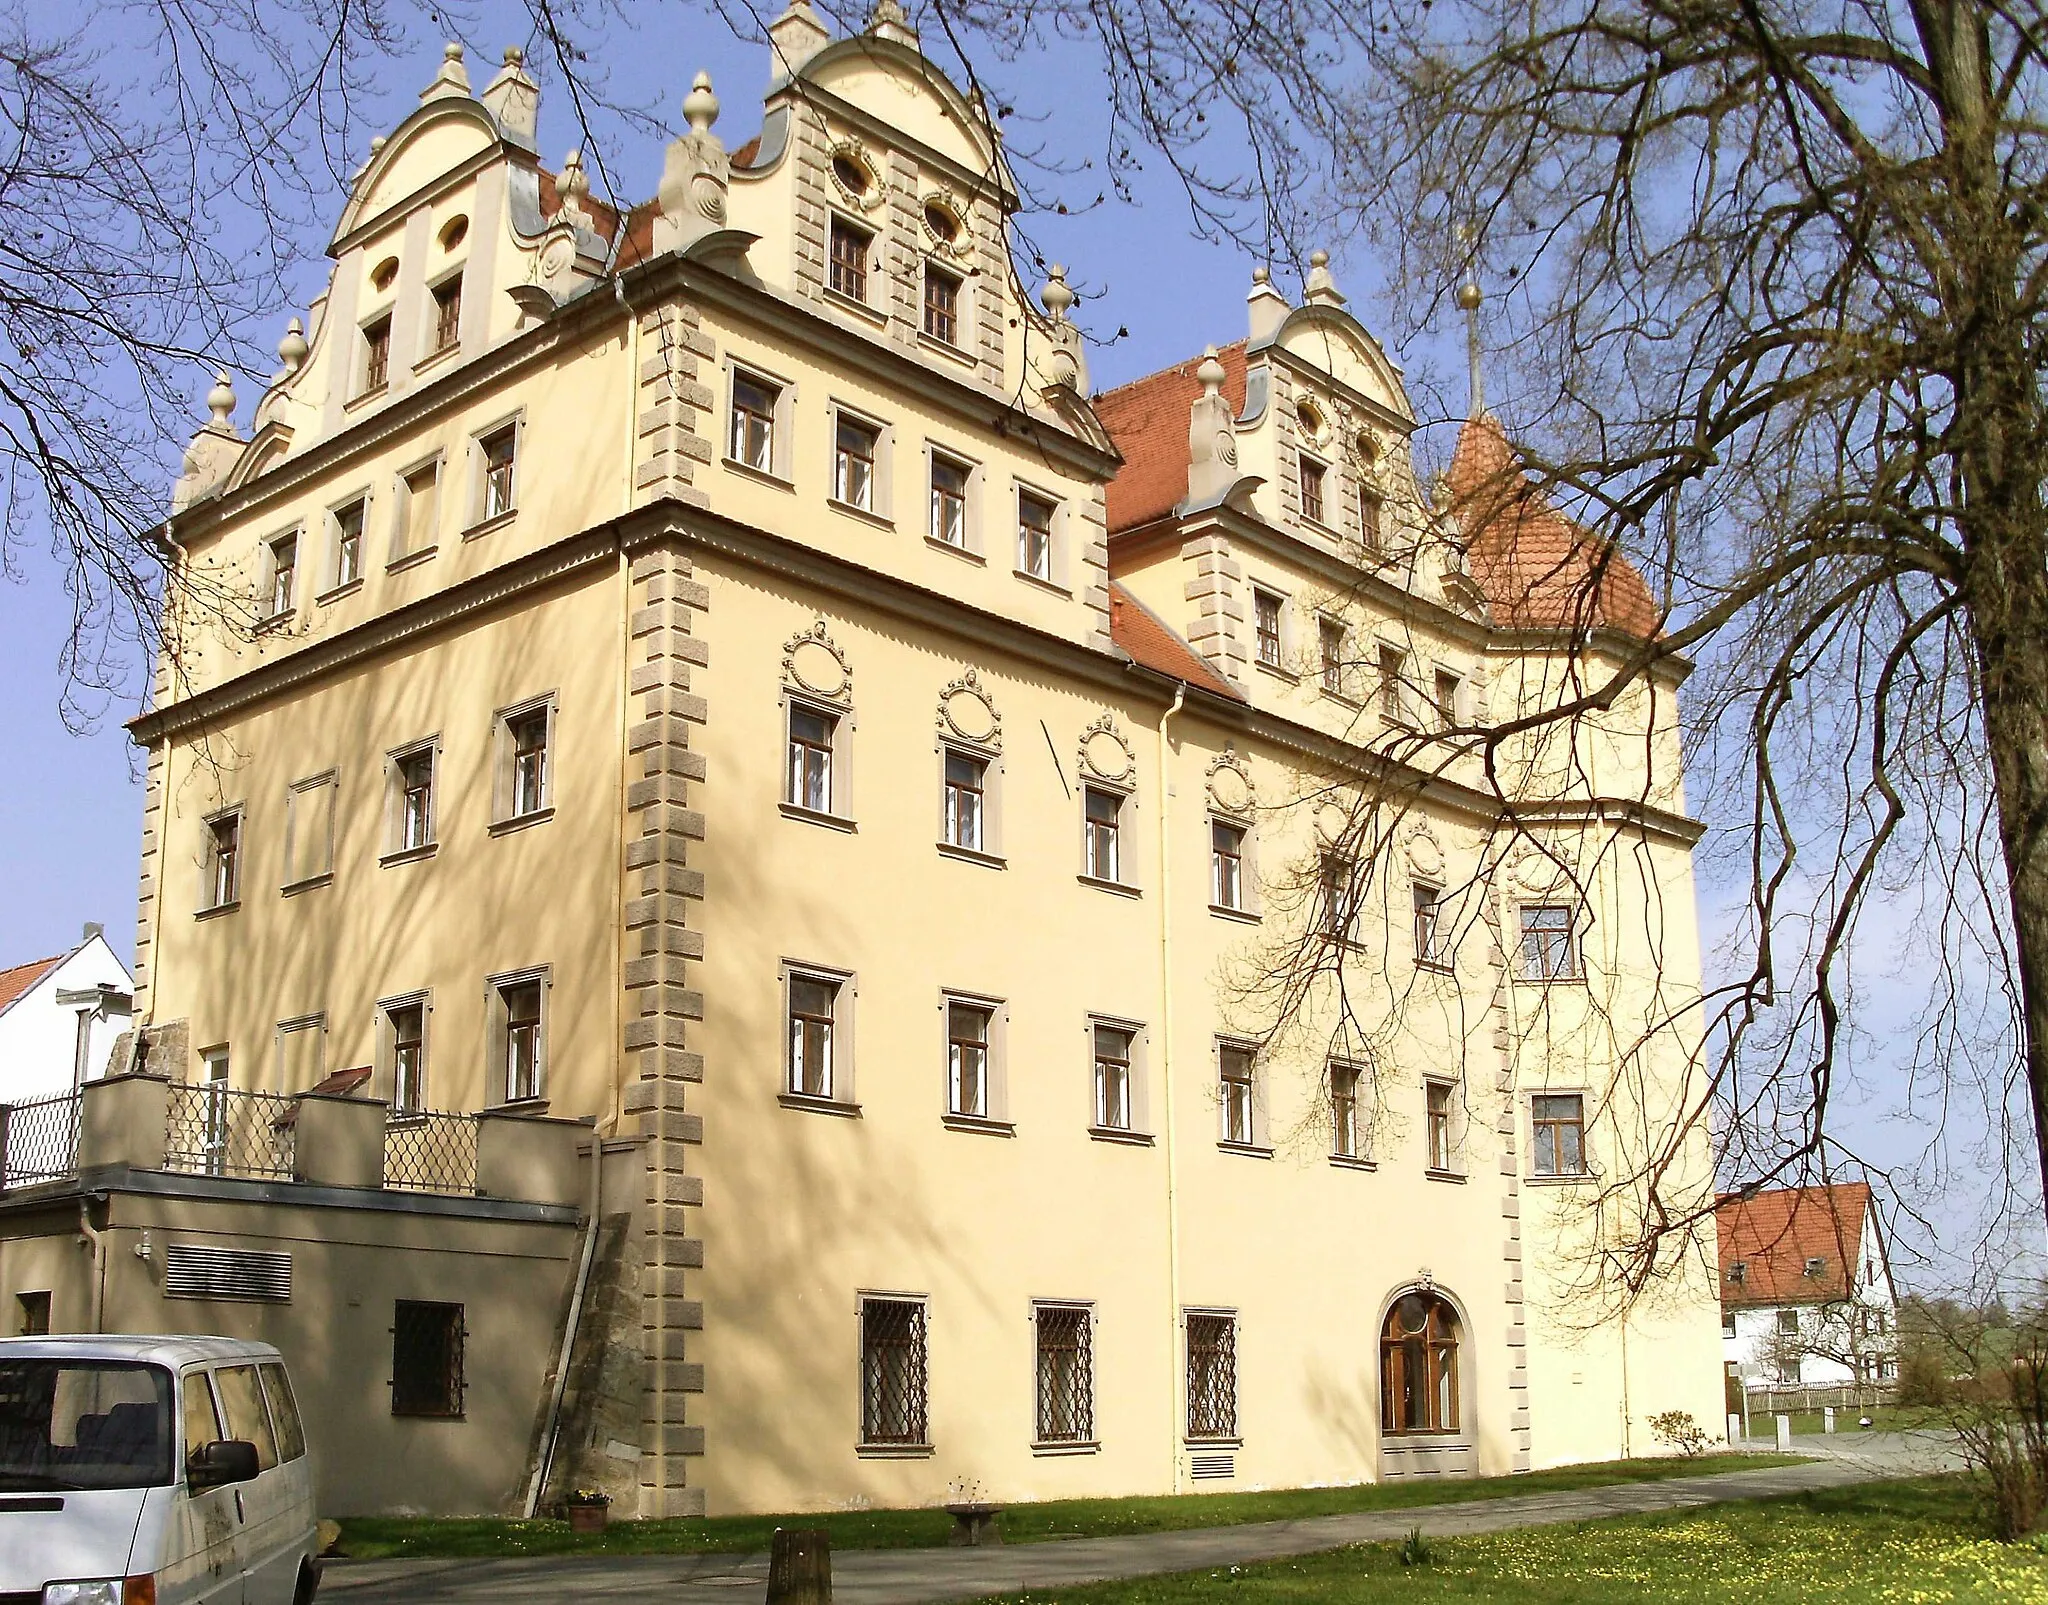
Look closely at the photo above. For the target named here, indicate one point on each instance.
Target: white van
(152, 1471)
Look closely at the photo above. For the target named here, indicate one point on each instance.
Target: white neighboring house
(60, 1017)
(1806, 1288)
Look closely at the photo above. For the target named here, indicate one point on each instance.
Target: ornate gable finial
(794, 37)
(695, 175)
(1322, 289)
(513, 99)
(969, 713)
(889, 21)
(572, 186)
(1212, 438)
(1066, 365)
(452, 79)
(1265, 306)
(292, 348)
(211, 456)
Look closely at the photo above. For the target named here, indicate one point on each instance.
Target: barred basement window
(1212, 1376)
(892, 1372)
(1066, 1374)
(426, 1359)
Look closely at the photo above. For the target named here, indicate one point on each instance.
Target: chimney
(1267, 305)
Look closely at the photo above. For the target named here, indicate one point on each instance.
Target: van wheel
(309, 1583)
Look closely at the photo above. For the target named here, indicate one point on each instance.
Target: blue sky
(70, 807)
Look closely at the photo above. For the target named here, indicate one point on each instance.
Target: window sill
(1250, 1150)
(438, 355)
(410, 855)
(309, 884)
(867, 515)
(271, 623)
(362, 398)
(1435, 967)
(1579, 1178)
(810, 1103)
(1102, 885)
(894, 1451)
(1244, 916)
(811, 816)
(973, 855)
(340, 592)
(408, 560)
(955, 549)
(766, 476)
(496, 521)
(945, 348)
(1052, 1450)
(505, 827)
(217, 910)
(1193, 1442)
(1458, 1177)
(979, 1124)
(1044, 584)
(1352, 1162)
(1276, 671)
(1121, 1134)
(1344, 698)
(1329, 531)
(1435, 1438)
(519, 1106)
(860, 309)
(1550, 980)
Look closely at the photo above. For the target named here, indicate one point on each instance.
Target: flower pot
(588, 1518)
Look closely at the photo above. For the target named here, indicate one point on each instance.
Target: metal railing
(430, 1152)
(215, 1131)
(38, 1139)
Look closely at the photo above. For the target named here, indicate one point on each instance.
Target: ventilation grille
(1202, 1467)
(194, 1270)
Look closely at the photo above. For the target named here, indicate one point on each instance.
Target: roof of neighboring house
(1148, 420)
(17, 982)
(1539, 570)
(1152, 643)
(1773, 1235)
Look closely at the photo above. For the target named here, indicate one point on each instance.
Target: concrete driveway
(912, 1576)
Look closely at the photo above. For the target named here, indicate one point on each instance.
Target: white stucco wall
(39, 1035)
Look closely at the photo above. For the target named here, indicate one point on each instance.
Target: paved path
(918, 1576)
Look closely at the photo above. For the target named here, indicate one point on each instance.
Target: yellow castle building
(721, 838)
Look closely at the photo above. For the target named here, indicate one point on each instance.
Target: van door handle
(239, 1515)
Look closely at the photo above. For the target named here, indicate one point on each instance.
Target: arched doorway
(1423, 1430)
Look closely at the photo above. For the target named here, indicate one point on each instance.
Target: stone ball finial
(1319, 259)
(1056, 297)
(1210, 373)
(1468, 296)
(514, 56)
(451, 51)
(572, 184)
(291, 350)
(1261, 273)
(377, 145)
(220, 400)
(700, 106)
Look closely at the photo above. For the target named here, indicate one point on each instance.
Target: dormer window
(376, 354)
(847, 271)
(447, 314)
(941, 304)
(1311, 490)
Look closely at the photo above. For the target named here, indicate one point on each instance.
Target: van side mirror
(218, 1464)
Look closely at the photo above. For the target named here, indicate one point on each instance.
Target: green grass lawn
(1884, 1418)
(1922, 1542)
(381, 1537)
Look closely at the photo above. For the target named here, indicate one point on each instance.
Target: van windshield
(84, 1424)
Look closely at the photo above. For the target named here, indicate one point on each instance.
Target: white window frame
(838, 812)
(880, 504)
(1056, 535)
(387, 1048)
(504, 783)
(1248, 904)
(1137, 1093)
(1574, 971)
(1359, 1154)
(1453, 1156)
(269, 613)
(1126, 800)
(970, 542)
(781, 423)
(498, 1036)
(1585, 1172)
(1253, 1138)
(839, 1096)
(209, 858)
(480, 518)
(396, 848)
(337, 584)
(990, 849)
(994, 1114)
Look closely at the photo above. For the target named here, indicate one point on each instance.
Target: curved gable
(1333, 341)
(435, 140)
(898, 87)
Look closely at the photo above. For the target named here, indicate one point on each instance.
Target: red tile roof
(1773, 1235)
(1539, 570)
(1148, 419)
(1150, 642)
(17, 981)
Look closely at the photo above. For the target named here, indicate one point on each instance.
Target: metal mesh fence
(38, 1139)
(1212, 1376)
(892, 1356)
(214, 1131)
(1066, 1376)
(430, 1152)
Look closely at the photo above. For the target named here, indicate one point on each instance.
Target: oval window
(939, 219)
(454, 232)
(852, 177)
(385, 274)
(1310, 419)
